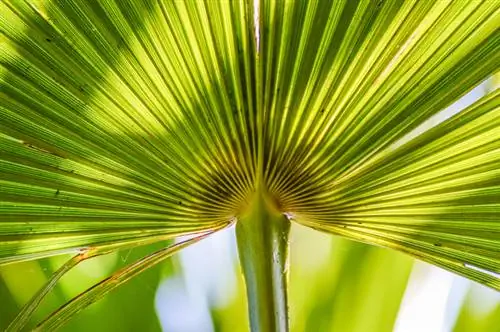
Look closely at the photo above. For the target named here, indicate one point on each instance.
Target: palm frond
(109, 136)
(346, 84)
(435, 197)
(96, 292)
(124, 122)
(24, 315)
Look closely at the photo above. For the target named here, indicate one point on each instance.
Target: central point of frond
(260, 204)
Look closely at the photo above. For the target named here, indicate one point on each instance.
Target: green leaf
(435, 197)
(96, 292)
(125, 121)
(97, 146)
(344, 83)
(26, 312)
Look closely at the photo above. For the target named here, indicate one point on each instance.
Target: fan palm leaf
(129, 122)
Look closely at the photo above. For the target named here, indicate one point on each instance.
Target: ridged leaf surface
(127, 120)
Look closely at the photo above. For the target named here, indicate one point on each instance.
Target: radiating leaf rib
(436, 196)
(29, 308)
(344, 82)
(108, 135)
(436, 253)
(328, 159)
(24, 315)
(96, 292)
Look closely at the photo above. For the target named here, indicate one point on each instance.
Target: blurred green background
(335, 285)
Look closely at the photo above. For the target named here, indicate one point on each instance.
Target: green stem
(262, 235)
